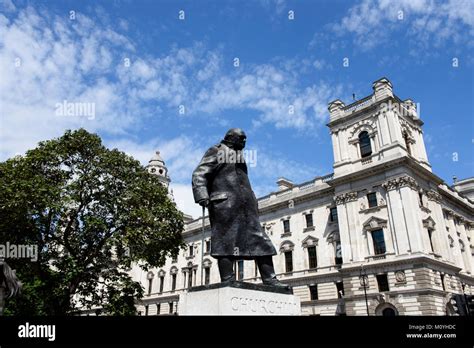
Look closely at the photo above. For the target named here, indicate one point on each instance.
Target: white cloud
(273, 92)
(183, 195)
(7, 6)
(275, 6)
(422, 22)
(182, 154)
(45, 60)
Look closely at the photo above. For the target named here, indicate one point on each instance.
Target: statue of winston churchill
(221, 184)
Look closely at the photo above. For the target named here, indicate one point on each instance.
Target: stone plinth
(238, 298)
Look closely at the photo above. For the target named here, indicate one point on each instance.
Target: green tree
(92, 212)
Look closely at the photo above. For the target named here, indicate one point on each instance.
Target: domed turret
(157, 166)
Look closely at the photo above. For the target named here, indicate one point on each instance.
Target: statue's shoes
(276, 283)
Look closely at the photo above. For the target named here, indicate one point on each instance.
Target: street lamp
(364, 281)
(463, 285)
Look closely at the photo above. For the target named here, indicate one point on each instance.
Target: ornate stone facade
(402, 181)
(383, 217)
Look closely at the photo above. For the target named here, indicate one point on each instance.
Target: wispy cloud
(275, 7)
(183, 153)
(47, 59)
(421, 24)
(7, 6)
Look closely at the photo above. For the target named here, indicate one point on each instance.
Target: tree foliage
(92, 212)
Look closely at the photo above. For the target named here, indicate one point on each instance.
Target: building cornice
(370, 104)
(404, 262)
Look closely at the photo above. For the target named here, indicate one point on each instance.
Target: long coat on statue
(221, 177)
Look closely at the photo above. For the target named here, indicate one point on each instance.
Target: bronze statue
(9, 284)
(220, 182)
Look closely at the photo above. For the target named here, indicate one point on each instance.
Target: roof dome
(157, 166)
(156, 160)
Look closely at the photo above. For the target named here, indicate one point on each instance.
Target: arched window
(386, 309)
(150, 277)
(388, 312)
(364, 143)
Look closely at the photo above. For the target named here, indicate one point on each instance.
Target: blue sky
(49, 54)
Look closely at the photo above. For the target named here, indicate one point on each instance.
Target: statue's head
(9, 279)
(235, 138)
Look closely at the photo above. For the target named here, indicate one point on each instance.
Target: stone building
(383, 234)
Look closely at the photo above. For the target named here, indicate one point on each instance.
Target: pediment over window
(429, 223)
(366, 125)
(309, 241)
(206, 263)
(333, 237)
(287, 246)
(189, 267)
(374, 223)
(150, 275)
(174, 270)
(161, 273)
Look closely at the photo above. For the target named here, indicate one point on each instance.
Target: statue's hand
(204, 202)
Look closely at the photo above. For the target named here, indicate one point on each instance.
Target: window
(313, 292)
(389, 312)
(379, 242)
(407, 142)
(190, 278)
(340, 289)
(173, 282)
(313, 263)
(338, 251)
(256, 269)
(162, 282)
(150, 285)
(333, 215)
(430, 236)
(207, 275)
(442, 281)
(158, 308)
(461, 246)
(208, 246)
(171, 307)
(288, 261)
(191, 250)
(309, 220)
(382, 282)
(240, 269)
(364, 144)
(286, 226)
(146, 310)
(372, 199)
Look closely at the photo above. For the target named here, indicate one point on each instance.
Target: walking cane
(202, 244)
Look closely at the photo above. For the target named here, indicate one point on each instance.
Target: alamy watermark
(233, 157)
(84, 109)
(403, 109)
(37, 331)
(19, 251)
